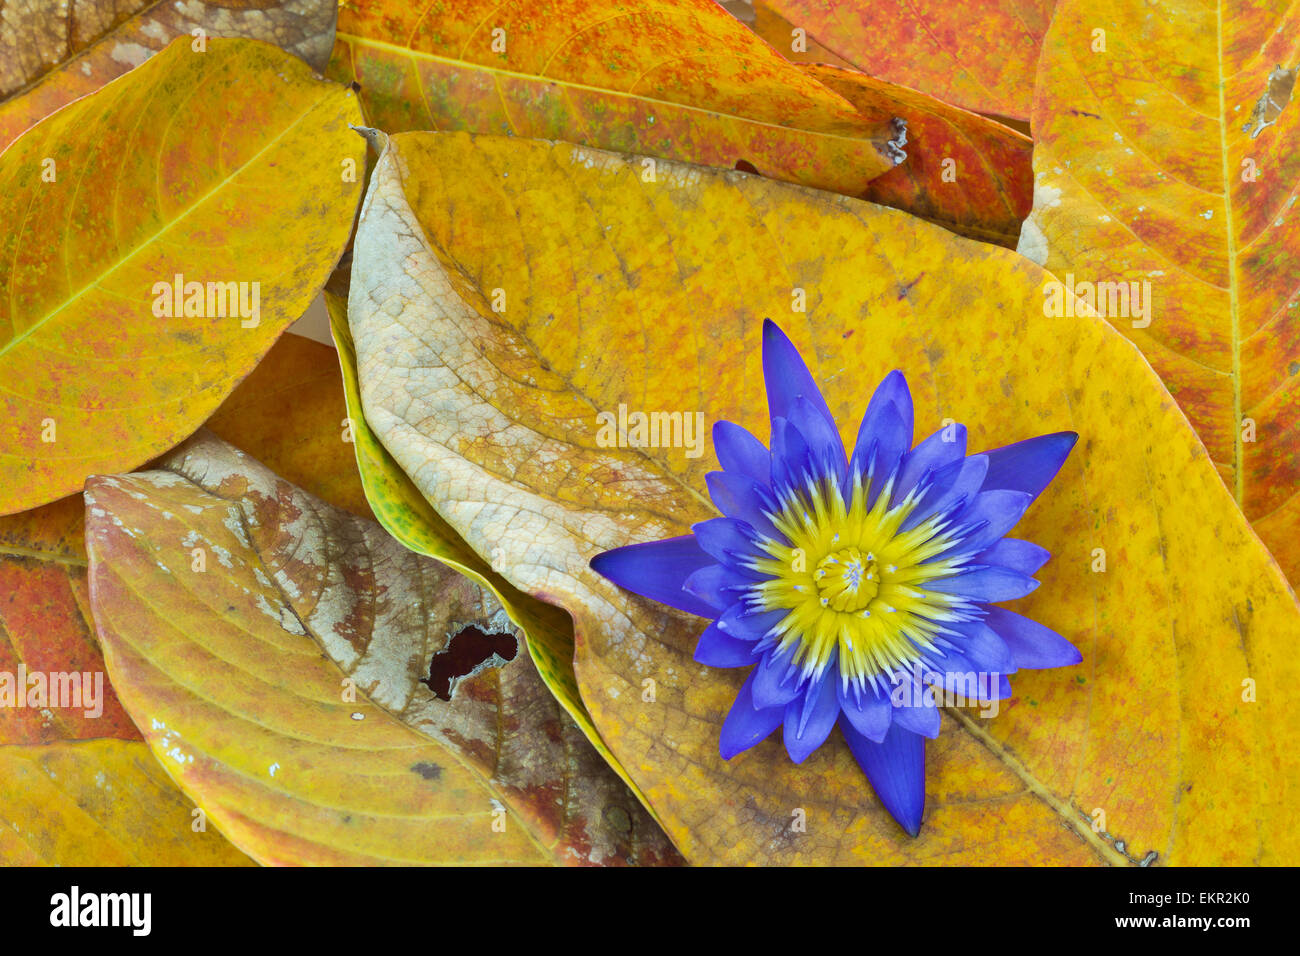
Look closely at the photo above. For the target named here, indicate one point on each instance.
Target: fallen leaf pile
(268, 601)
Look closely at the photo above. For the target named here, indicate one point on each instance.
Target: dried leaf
(1156, 182)
(963, 171)
(54, 51)
(99, 803)
(408, 517)
(678, 79)
(227, 168)
(78, 787)
(280, 682)
(492, 412)
(979, 55)
(291, 415)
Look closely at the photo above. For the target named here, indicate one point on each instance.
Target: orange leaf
(963, 171)
(679, 79)
(1167, 165)
(980, 54)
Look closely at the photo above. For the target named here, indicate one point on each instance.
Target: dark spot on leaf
(904, 290)
(618, 820)
(429, 771)
(467, 652)
(1082, 113)
(745, 166)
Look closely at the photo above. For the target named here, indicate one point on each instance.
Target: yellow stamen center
(847, 580)
(866, 597)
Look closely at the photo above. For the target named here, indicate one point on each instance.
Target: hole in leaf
(745, 166)
(469, 651)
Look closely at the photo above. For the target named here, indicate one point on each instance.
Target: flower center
(866, 603)
(846, 580)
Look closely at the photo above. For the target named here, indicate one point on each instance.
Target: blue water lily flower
(862, 586)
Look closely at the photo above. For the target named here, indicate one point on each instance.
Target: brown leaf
(281, 684)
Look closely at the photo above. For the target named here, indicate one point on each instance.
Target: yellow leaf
(54, 51)
(1166, 169)
(281, 682)
(100, 803)
(78, 787)
(225, 172)
(677, 79)
(1179, 724)
(289, 409)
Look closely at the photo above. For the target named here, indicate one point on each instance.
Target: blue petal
(774, 686)
(746, 625)
(740, 496)
(868, 711)
(730, 541)
(745, 725)
(1032, 645)
(952, 487)
(882, 440)
(1023, 556)
(965, 681)
(740, 452)
(825, 449)
(658, 570)
(916, 711)
(986, 584)
(892, 390)
(810, 717)
(896, 769)
(931, 455)
(984, 648)
(1029, 465)
(718, 649)
(787, 376)
(993, 514)
(791, 464)
(718, 586)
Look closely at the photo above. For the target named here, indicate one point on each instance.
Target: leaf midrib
(1234, 315)
(411, 54)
